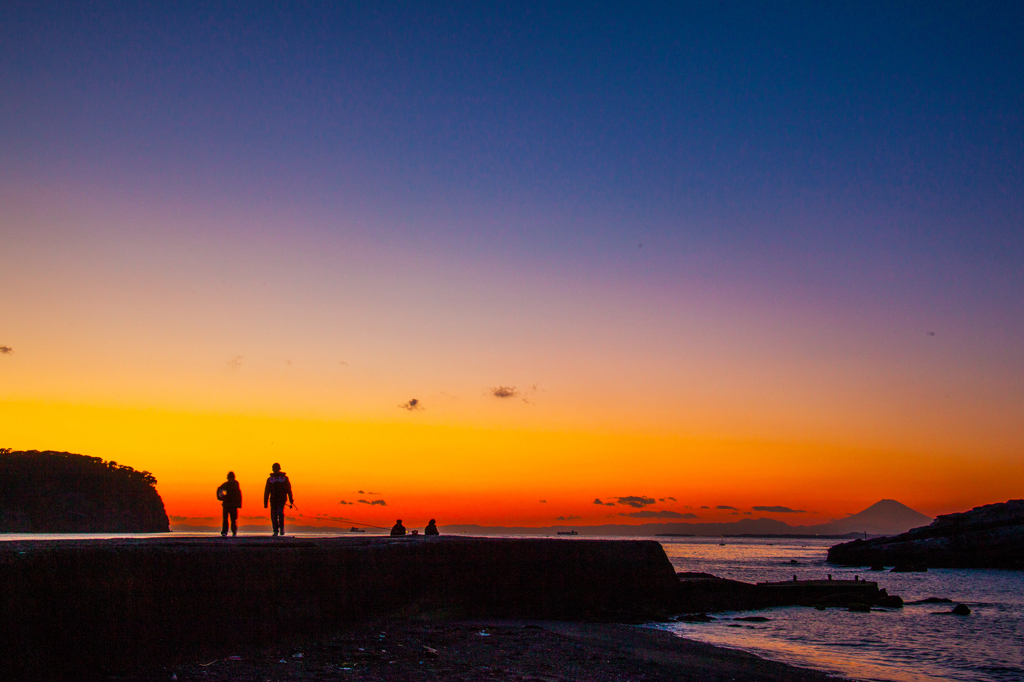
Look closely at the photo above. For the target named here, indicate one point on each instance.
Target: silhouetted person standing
(398, 528)
(230, 496)
(278, 492)
(431, 528)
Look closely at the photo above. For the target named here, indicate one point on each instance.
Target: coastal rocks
(958, 610)
(930, 600)
(60, 492)
(991, 536)
(890, 602)
(695, 618)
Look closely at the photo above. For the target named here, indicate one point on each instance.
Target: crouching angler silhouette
(278, 492)
(398, 528)
(431, 528)
(230, 495)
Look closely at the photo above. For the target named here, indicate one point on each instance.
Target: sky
(496, 262)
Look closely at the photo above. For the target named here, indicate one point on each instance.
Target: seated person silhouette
(431, 528)
(398, 528)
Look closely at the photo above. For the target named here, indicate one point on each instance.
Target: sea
(921, 643)
(912, 644)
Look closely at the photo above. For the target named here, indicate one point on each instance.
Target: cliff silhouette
(61, 492)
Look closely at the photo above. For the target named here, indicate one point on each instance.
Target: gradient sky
(731, 254)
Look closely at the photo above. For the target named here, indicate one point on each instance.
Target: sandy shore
(538, 651)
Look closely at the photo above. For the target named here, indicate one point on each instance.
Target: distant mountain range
(886, 517)
(991, 536)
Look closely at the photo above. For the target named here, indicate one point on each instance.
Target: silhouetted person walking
(230, 496)
(278, 492)
(431, 528)
(398, 528)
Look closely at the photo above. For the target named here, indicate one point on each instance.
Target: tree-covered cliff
(61, 492)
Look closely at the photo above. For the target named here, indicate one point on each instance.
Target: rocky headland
(991, 536)
(61, 492)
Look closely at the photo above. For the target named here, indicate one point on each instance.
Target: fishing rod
(336, 518)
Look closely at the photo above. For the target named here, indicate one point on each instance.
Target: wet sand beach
(525, 651)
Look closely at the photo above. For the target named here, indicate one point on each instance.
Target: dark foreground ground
(537, 651)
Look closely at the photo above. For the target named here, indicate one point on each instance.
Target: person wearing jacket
(230, 495)
(277, 492)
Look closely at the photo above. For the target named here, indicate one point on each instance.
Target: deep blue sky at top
(809, 127)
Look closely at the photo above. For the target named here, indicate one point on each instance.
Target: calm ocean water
(912, 644)
(906, 645)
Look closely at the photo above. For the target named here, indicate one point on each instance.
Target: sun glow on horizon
(473, 269)
(488, 476)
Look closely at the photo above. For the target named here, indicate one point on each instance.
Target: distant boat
(567, 532)
(353, 529)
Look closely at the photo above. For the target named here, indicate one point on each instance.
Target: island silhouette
(62, 492)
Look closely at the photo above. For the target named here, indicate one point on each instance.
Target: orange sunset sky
(598, 272)
(187, 355)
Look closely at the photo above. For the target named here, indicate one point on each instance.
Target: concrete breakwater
(701, 592)
(79, 607)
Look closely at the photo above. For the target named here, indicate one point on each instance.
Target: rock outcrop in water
(991, 536)
(60, 492)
